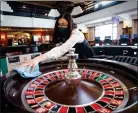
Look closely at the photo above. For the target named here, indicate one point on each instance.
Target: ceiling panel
(43, 7)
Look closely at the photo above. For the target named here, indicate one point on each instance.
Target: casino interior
(104, 83)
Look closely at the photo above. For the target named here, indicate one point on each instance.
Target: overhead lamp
(76, 10)
(3, 37)
(53, 13)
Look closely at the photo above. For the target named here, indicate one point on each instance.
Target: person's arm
(57, 52)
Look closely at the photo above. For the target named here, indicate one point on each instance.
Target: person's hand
(30, 64)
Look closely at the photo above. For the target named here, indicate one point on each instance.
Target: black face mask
(63, 33)
(63, 30)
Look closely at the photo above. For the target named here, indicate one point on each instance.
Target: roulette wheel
(75, 86)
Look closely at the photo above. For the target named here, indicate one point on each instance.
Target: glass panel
(106, 30)
(114, 25)
(96, 27)
(114, 36)
(96, 33)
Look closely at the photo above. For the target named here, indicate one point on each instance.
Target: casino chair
(124, 40)
(135, 39)
(107, 42)
(97, 41)
(34, 49)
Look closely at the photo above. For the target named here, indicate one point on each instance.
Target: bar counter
(24, 49)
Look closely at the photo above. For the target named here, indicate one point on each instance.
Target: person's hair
(70, 27)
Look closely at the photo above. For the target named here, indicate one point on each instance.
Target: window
(103, 3)
(106, 30)
(96, 31)
(106, 2)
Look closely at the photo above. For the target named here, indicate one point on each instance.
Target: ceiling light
(103, 3)
(106, 2)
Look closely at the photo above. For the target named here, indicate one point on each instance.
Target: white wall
(98, 22)
(135, 16)
(18, 21)
(1, 17)
(44, 23)
(83, 27)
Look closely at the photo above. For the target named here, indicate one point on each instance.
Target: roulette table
(105, 86)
